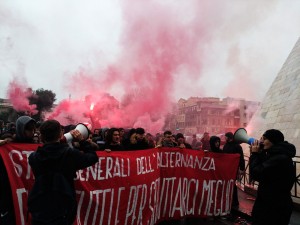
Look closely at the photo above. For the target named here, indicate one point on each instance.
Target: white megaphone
(82, 128)
(241, 136)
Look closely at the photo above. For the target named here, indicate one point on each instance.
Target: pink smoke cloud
(18, 95)
(158, 42)
(153, 51)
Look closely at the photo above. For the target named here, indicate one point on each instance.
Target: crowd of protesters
(272, 160)
(111, 138)
(117, 138)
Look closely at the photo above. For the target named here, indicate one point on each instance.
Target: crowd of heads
(26, 129)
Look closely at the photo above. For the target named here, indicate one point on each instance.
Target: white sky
(244, 45)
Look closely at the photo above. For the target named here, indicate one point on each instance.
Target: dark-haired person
(205, 140)
(150, 140)
(138, 140)
(166, 140)
(25, 128)
(273, 168)
(122, 133)
(181, 141)
(11, 128)
(113, 141)
(232, 147)
(127, 137)
(54, 166)
(215, 143)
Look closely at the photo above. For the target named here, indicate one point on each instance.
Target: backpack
(52, 200)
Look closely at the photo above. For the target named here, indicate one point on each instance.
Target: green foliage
(43, 99)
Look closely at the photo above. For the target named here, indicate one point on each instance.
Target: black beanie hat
(140, 130)
(229, 135)
(274, 136)
(179, 135)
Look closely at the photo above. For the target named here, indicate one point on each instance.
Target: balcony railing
(246, 184)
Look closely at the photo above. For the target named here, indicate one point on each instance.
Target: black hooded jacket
(51, 156)
(232, 148)
(212, 141)
(50, 164)
(275, 172)
(6, 201)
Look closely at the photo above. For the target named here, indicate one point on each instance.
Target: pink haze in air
(158, 42)
(154, 50)
(18, 94)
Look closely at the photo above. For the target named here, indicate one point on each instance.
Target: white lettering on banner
(177, 159)
(182, 197)
(20, 193)
(167, 198)
(134, 195)
(143, 165)
(154, 201)
(118, 205)
(170, 181)
(106, 168)
(19, 157)
(79, 204)
(166, 193)
(192, 209)
(211, 193)
(180, 203)
(99, 200)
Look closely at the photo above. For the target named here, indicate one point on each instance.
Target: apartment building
(214, 115)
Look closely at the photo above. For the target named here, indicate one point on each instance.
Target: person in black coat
(54, 166)
(231, 147)
(214, 142)
(25, 128)
(181, 141)
(138, 140)
(113, 141)
(273, 168)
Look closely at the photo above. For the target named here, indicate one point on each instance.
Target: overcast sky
(198, 48)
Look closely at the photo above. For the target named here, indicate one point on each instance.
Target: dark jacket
(119, 147)
(212, 141)
(50, 162)
(187, 146)
(139, 145)
(275, 172)
(6, 201)
(232, 148)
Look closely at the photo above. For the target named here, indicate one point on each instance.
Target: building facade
(7, 112)
(214, 115)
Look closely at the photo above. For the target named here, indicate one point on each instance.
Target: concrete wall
(280, 109)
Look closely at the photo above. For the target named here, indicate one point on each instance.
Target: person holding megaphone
(52, 199)
(272, 166)
(80, 132)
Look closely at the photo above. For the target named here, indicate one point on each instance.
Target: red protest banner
(136, 187)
